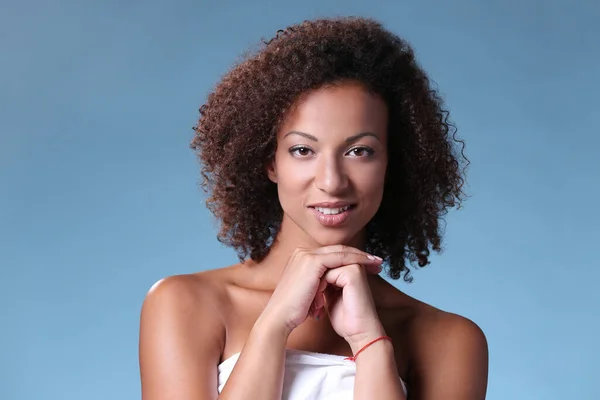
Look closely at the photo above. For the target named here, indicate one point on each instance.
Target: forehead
(346, 108)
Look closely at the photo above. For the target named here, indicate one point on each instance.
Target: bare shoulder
(198, 297)
(449, 355)
(182, 335)
(178, 308)
(435, 330)
(189, 290)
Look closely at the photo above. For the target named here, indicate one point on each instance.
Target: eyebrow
(350, 139)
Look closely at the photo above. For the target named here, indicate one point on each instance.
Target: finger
(319, 314)
(317, 306)
(373, 269)
(340, 248)
(345, 256)
(340, 277)
(312, 310)
(322, 285)
(319, 301)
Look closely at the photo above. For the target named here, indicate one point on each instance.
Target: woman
(327, 155)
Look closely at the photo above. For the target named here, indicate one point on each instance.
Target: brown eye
(360, 152)
(300, 151)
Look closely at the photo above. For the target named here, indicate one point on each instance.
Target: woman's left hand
(350, 305)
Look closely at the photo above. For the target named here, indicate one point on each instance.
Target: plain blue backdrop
(99, 193)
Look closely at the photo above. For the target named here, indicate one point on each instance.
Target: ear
(271, 170)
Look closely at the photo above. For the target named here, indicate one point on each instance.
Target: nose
(330, 176)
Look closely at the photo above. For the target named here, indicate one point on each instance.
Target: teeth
(331, 211)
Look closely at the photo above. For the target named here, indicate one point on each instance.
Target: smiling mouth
(332, 216)
(332, 210)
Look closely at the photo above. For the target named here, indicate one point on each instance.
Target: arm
(258, 373)
(376, 372)
(450, 361)
(181, 337)
(181, 341)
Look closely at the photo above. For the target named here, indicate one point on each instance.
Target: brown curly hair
(236, 137)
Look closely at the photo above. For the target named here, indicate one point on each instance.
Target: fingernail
(378, 258)
(370, 257)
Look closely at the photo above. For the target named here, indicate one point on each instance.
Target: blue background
(99, 196)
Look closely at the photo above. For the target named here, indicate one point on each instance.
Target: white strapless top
(309, 376)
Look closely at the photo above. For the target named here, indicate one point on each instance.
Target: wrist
(269, 326)
(357, 342)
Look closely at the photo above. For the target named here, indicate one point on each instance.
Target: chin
(332, 237)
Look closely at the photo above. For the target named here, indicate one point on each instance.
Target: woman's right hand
(300, 282)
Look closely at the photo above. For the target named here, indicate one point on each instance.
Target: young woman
(328, 157)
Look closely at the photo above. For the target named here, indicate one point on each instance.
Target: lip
(332, 220)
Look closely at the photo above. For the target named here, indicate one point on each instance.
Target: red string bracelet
(367, 345)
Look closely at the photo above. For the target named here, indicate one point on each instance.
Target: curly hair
(235, 137)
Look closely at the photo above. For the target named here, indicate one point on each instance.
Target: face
(330, 163)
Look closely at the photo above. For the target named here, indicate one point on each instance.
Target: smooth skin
(331, 147)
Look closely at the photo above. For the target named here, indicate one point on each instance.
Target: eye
(300, 151)
(360, 152)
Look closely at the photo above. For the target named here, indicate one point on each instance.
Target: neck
(289, 238)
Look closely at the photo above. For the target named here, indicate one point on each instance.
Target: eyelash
(367, 150)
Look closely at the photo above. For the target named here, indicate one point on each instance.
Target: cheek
(292, 177)
(373, 191)
(371, 180)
